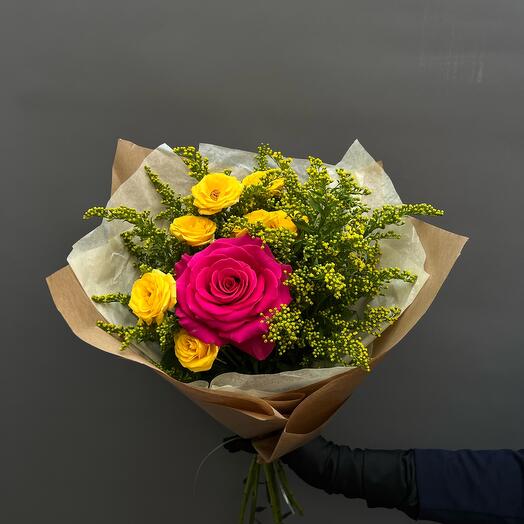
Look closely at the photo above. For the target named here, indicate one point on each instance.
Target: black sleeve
(450, 487)
(383, 478)
(471, 486)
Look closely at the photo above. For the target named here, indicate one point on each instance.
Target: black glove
(234, 444)
(384, 479)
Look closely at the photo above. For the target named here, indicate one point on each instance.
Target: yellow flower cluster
(152, 295)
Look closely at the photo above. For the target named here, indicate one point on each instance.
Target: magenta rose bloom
(223, 289)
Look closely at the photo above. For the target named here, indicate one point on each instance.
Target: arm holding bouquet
(464, 486)
(445, 486)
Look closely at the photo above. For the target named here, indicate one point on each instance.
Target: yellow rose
(194, 354)
(215, 192)
(196, 231)
(280, 219)
(253, 179)
(270, 219)
(276, 186)
(152, 295)
(260, 215)
(258, 176)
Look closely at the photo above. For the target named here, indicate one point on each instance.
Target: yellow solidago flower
(257, 177)
(215, 192)
(152, 295)
(196, 231)
(271, 219)
(194, 354)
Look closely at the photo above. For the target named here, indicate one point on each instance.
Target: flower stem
(254, 467)
(254, 494)
(282, 477)
(276, 483)
(274, 499)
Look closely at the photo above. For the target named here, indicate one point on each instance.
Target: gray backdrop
(434, 88)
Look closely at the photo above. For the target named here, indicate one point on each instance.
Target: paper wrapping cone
(277, 423)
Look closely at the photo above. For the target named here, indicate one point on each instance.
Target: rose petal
(256, 347)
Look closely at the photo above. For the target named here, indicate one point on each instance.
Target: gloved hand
(383, 478)
(235, 444)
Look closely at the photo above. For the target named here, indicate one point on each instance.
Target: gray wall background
(434, 88)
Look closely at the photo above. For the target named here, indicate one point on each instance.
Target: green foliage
(122, 298)
(175, 204)
(129, 334)
(196, 163)
(165, 333)
(388, 215)
(262, 157)
(151, 244)
(253, 197)
(161, 334)
(336, 266)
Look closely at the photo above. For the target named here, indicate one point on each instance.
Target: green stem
(274, 499)
(282, 477)
(254, 495)
(248, 486)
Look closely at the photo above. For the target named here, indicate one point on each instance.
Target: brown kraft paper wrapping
(281, 422)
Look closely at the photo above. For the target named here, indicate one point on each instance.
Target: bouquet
(263, 287)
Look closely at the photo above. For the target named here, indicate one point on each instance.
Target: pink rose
(223, 289)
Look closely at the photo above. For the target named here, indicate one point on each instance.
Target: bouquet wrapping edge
(280, 422)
